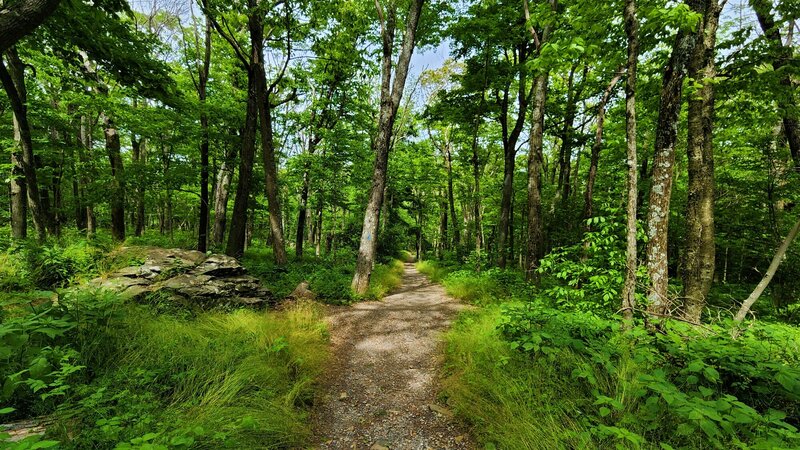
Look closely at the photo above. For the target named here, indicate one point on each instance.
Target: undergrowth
(119, 376)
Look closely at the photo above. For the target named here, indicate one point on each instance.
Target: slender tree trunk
(13, 80)
(84, 155)
(138, 157)
(19, 200)
(663, 167)
(302, 213)
(390, 102)
(117, 201)
(506, 224)
(773, 268)
(787, 101)
(565, 153)
(476, 175)
(448, 158)
(588, 206)
(236, 236)
(629, 286)
(203, 71)
(700, 251)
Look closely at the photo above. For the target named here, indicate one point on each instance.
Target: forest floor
(381, 389)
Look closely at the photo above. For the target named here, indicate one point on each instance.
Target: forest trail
(381, 388)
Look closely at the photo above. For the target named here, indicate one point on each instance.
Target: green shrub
(385, 278)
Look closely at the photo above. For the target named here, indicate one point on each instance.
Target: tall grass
(385, 278)
(238, 380)
(510, 405)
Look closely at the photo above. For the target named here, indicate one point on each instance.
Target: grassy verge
(117, 375)
(510, 405)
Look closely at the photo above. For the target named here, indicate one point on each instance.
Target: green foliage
(119, 375)
(589, 276)
(682, 388)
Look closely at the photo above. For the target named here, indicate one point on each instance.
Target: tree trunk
(535, 247)
(588, 205)
(448, 158)
(236, 236)
(13, 80)
(506, 224)
(663, 167)
(476, 175)
(263, 96)
(21, 17)
(117, 200)
(19, 201)
(221, 194)
(773, 267)
(565, 153)
(786, 102)
(203, 71)
(84, 156)
(138, 157)
(390, 102)
(699, 253)
(629, 286)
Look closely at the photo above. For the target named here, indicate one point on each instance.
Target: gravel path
(382, 386)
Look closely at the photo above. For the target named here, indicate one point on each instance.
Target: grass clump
(116, 375)
(494, 388)
(385, 278)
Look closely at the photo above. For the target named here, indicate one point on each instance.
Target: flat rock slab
(187, 276)
(383, 383)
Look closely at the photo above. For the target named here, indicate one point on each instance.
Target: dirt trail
(381, 390)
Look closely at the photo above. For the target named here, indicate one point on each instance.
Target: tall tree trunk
(663, 167)
(476, 175)
(13, 80)
(787, 101)
(699, 254)
(448, 158)
(138, 150)
(19, 200)
(565, 153)
(506, 224)
(629, 286)
(773, 268)
(238, 229)
(117, 201)
(391, 94)
(202, 82)
(84, 156)
(588, 205)
(535, 247)
(263, 96)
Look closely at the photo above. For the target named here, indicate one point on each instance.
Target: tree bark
(117, 201)
(700, 251)
(19, 193)
(629, 286)
(22, 17)
(14, 84)
(84, 155)
(221, 194)
(663, 167)
(390, 102)
(237, 234)
(138, 156)
(535, 247)
(773, 268)
(476, 175)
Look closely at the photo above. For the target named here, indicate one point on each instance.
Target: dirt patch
(382, 387)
